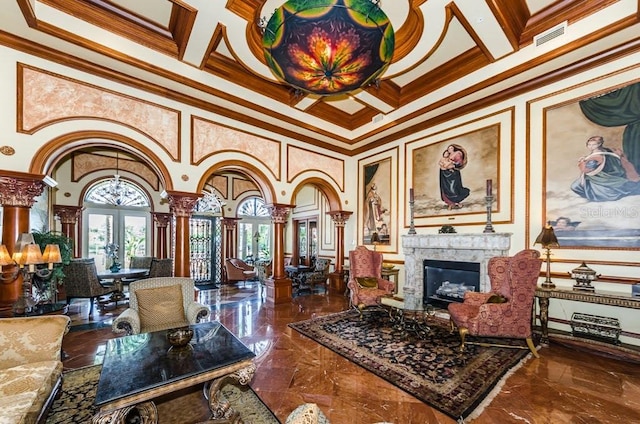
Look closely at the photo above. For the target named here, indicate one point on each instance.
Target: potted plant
(47, 283)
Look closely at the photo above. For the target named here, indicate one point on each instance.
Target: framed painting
(591, 183)
(377, 201)
(454, 172)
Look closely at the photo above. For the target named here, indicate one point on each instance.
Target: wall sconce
(547, 238)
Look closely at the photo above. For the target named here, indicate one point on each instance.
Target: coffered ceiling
(451, 56)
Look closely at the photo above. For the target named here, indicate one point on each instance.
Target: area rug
(429, 367)
(75, 404)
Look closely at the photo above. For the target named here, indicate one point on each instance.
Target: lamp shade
(24, 239)
(31, 255)
(328, 47)
(547, 238)
(5, 258)
(52, 254)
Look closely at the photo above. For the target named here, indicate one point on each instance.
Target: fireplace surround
(448, 247)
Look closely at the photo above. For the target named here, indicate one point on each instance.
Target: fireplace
(476, 248)
(447, 281)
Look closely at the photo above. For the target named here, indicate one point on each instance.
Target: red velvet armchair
(367, 264)
(506, 311)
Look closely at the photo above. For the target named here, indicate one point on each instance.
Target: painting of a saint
(377, 195)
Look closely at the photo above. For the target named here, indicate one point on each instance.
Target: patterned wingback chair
(81, 281)
(159, 304)
(140, 262)
(365, 264)
(506, 311)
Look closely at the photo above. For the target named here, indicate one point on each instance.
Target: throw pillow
(367, 282)
(160, 306)
(307, 413)
(497, 298)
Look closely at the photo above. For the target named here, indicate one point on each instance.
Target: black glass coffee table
(141, 367)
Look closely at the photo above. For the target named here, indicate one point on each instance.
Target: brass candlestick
(412, 228)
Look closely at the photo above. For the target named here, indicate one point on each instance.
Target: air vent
(378, 118)
(550, 34)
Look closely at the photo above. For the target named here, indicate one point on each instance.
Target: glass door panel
(100, 233)
(135, 236)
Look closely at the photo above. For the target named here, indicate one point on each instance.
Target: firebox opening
(447, 281)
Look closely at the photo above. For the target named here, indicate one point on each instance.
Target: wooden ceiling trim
(183, 18)
(246, 9)
(408, 35)
(453, 10)
(118, 21)
(559, 12)
(512, 15)
(468, 62)
(28, 13)
(583, 65)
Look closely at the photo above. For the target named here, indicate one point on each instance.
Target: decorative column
(228, 242)
(68, 216)
(278, 285)
(162, 221)
(181, 205)
(336, 278)
(18, 192)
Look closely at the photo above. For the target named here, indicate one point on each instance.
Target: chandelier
(328, 47)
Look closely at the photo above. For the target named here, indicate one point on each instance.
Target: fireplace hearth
(475, 248)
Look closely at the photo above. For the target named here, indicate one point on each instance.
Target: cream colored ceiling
(458, 54)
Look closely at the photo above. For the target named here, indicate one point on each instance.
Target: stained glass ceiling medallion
(328, 47)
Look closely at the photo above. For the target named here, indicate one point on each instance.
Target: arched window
(210, 203)
(116, 212)
(117, 192)
(254, 230)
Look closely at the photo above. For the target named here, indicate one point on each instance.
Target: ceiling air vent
(550, 34)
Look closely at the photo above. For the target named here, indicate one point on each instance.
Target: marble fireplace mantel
(448, 247)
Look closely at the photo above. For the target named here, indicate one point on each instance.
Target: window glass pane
(264, 241)
(100, 234)
(117, 192)
(135, 233)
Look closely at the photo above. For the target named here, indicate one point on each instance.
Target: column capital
(20, 189)
(340, 218)
(279, 212)
(182, 203)
(67, 214)
(161, 219)
(230, 223)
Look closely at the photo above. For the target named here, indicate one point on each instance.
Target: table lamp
(547, 239)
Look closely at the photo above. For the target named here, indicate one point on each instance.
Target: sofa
(30, 366)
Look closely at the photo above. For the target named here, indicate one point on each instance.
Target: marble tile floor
(564, 385)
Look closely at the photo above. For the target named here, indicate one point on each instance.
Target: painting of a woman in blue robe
(605, 174)
(452, 191)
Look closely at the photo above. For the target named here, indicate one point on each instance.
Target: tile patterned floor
(563, 386)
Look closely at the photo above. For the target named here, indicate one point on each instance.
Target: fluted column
(18, 192)
(181, 205)
(278, 285)
(162, 221)
(336, 278)
(68, 216)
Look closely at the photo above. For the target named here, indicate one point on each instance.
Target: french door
(129, 229)
(254, 239)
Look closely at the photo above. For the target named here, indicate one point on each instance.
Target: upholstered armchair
(366, 284)
(30, 366)
(81, 281)
(238, 270)
(318, 275)
(140, 262)
(161, 303)
(506, 311)
(161, 268)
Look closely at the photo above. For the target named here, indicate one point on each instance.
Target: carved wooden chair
(506, 311)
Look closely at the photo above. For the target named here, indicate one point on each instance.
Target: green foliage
(66, 250)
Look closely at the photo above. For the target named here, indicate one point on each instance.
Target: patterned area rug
(75, 404)
(430, 367)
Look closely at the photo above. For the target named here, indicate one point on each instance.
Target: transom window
(117, 192)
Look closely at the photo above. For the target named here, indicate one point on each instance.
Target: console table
(601, 297)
